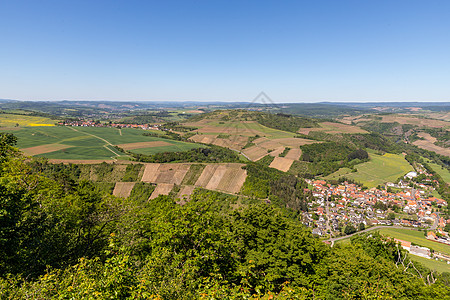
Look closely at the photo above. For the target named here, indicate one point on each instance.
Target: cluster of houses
(115, 125)
(336, 206)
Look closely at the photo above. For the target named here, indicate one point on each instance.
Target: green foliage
(141, 192)
(285, 152)
(285, 122)
(102, 247)
(194, 172)
(349, 229)
(132, 172)
(210, 154)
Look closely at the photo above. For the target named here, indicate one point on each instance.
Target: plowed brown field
(161, 189)
(281, 163)
(123, 189)
(44, 149)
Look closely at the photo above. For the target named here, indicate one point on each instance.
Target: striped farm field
(226, 177)
(90, 143)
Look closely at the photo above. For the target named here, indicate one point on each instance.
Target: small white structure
(411, 175)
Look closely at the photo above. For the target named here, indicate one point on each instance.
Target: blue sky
(295, 51)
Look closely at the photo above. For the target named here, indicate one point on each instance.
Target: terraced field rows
(223, 177)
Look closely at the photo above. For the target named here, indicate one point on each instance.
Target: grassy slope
(444, 173)
(432, 264)
(416, 237)
(380, 169)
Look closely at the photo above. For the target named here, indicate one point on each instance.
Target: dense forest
(75, 241)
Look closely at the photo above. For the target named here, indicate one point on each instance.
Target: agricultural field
(414, 120)
(379, 170)
(123, 189)
(428, 144)
(281, 163)
(415, 237)
(228, 177)
(91, 143)
(16, 120)
(332, 128)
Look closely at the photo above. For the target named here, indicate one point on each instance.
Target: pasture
(91, 143)
(379, 170)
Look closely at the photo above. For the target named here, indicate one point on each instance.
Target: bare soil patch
(44, 149)
(294, 154)
(224, 177)
(206, 175)
(295, 142)
(165, 173)
(139, 145)
(123, 189)
(332, 127)
(233, 179)
(415, 121)
(277, 151)
(216, 177)
(161, 189)
(255, 153)
(281, 163)
(150, 173)
(428, 144)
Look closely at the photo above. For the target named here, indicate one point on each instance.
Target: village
(346, 208)
(87, 123)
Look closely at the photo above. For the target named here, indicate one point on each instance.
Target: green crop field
(379, 170)
(90, 142)
(415, 237)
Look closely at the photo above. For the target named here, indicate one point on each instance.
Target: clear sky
(295, 51)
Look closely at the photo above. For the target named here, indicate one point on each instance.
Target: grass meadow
(379, 170)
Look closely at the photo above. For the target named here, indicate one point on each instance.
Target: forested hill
(72, 241)
(280, 121)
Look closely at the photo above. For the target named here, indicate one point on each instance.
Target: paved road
(436, 222)
(332, 240)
